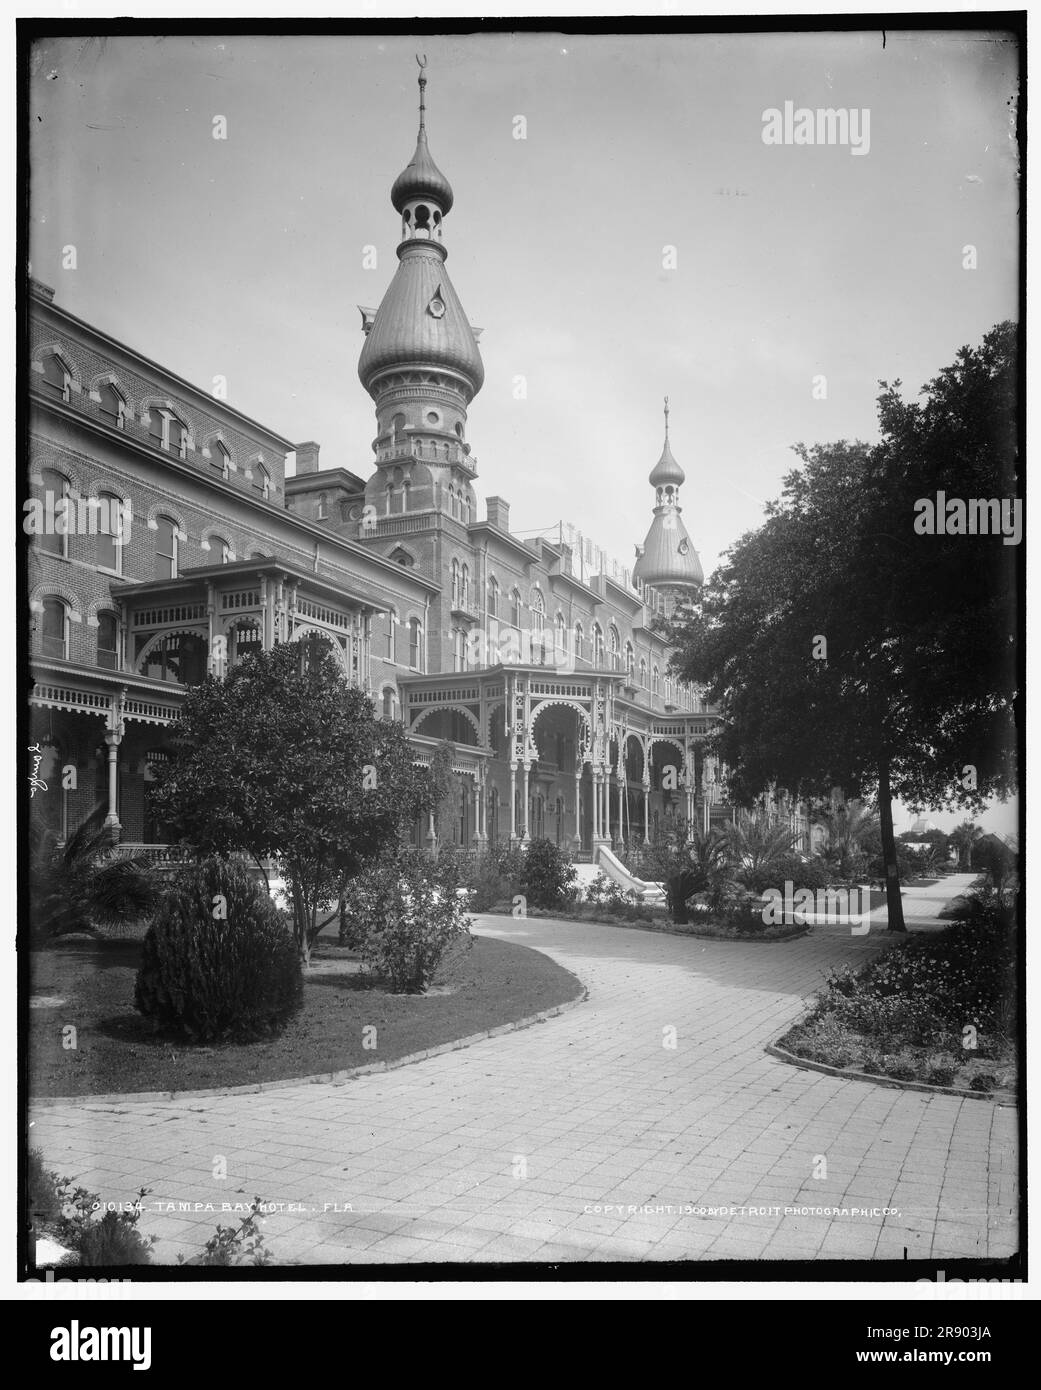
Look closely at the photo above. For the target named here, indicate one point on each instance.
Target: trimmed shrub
(548, 878)
(406, 913)
(218, 962)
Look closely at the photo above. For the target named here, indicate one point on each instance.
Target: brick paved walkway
(504, 1151)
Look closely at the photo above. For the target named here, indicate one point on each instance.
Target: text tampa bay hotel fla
(536, 659)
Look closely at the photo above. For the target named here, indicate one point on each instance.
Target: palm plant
(757, 844)
(85, 884)
(848, 828)
(698, 865)
(963, 837)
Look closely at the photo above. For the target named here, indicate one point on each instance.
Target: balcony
(429, 451)
(463, 606)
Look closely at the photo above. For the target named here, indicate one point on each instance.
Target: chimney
(499, 513)
(307, 458)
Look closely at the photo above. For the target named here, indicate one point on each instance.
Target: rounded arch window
(423, 216)
(108, 641)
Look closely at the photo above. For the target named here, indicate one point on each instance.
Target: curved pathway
(642, 1124)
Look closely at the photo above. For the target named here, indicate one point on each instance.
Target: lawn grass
(116, 1051)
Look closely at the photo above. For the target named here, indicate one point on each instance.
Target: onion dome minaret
(667, 561)
(420, 362)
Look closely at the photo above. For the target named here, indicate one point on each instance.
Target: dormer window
(112, 406)
(262, 481)
(57, 379)
(220, 459)
(169, 433)
(320, 509)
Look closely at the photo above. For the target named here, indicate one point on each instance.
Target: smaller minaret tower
(667, 561)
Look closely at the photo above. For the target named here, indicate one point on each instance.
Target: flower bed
(938, 1008)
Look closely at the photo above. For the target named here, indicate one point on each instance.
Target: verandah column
(513, 803)
(524, 799)
(647, 813)
(112, 824)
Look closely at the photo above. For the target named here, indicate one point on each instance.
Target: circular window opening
(433, 418)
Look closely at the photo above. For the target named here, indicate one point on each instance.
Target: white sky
(243, 258)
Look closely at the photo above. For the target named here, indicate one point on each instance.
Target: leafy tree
(846, 648)
(755, 844)
(285, 757)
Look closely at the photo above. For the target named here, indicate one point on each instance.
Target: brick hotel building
(537, 658)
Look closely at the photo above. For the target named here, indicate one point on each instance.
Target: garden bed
(658, 921)
(493, 984)
(937, 1009)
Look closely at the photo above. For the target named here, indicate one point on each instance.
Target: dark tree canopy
(843, 646)
(285, 758)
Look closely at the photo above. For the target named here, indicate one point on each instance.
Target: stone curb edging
(845, 1074)
(137, 1097)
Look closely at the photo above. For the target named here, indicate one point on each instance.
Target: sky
(246, 257)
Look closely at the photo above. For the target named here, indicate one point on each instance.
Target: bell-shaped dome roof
(668, 558)
(666, 472)
(420, 322)
(421, 178)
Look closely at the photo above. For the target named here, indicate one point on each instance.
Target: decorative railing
(430, 451)
(175, 613)
(65, 697)
(406, 525)
(150, 711)
(320, 613)
(240, 598)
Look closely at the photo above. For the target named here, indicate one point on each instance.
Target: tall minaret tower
(667, 561)
(420, 362)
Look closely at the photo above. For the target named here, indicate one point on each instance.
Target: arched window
(493, 596)
(108, 551)
(655, 681)
(165, 548)
(320, 509)
(629, 660)
(668, 689)
(643, 672)
(54, 629)
(598, 645)
(466, 508)
(561, 637)
(615, 647)
(538, 627)
(220, 458)
(415, 643)
(389, 711)
(108, 641)
(262, 480)
(458, 649)
(455, 583)
(180, 657)
(56, 488)
(220, 550)
(515, 607)
(580, 642)
(112, 406)
(57, 379)
(464, 593)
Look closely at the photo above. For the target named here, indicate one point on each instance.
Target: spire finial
(422, 97)
(666, 417)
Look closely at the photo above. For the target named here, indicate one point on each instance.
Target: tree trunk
(894, 906)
